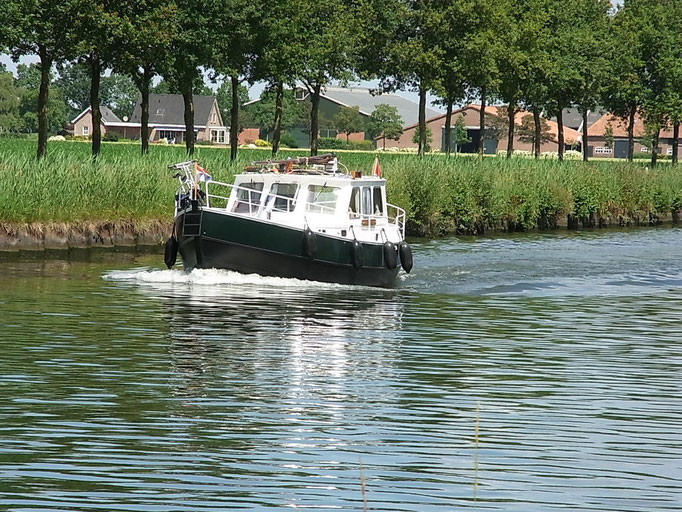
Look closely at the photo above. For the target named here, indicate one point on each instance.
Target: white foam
(209, 277)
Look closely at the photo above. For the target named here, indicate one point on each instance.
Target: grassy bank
(441, 195)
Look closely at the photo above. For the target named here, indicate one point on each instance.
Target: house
(333, 98)
(596, 141)
(82, 124)
(470, 115)
(166, 121)
(167, 118)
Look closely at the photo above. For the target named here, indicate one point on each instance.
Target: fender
(406, 256)
(170, 254)
(390, 255)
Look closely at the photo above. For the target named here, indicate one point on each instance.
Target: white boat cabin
(333, 203)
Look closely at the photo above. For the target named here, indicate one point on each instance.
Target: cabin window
(322, 199)
(248, 197)
(86, 130)
(366, 200)
(160, 111)
(285, 196)
(354, 206)
(378, 201)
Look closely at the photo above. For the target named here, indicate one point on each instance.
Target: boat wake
(209, 277)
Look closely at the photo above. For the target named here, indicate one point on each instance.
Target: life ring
(309, 244)
(171, 252)
(390, 255)
(356, 255)
(405, 256)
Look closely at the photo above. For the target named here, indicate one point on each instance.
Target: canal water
(526, 373)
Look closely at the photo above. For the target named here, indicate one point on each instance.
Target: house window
(602, 151)
(218, 136)
(160, 111)
(669, 151)
(168, 135)
(86, 130)
(214, 117)
(300, 94)
(644, 149)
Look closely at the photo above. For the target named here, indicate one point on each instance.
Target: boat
(297, 218)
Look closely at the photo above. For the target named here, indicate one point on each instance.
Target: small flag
(202, 174)
(376, 170)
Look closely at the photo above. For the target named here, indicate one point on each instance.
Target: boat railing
(396, 215)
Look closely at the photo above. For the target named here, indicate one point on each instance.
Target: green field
(440, 194)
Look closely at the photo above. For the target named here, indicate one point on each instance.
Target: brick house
(596, 141)
(166, 121)
(470, 114)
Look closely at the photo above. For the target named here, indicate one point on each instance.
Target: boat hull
(214, 240)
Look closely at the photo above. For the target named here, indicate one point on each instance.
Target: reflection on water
(129, 388)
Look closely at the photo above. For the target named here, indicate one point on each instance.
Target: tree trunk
(654, 148)
(421, 148)
(95, 76)
(481, 124)
(631, 134)
(189, 116)
(676, 140)
(536, 139)
(511, 115)
(586, 148)
(448, 127)
(314, 118)
(560, 133)
(144, 105)
(234, 118)
(43, 97)
(277, 126)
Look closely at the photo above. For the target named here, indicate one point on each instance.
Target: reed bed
(440, 194)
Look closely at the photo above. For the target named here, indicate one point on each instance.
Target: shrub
(288, 140)
(260, 143)
(334, 143)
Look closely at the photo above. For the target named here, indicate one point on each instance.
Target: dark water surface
(528, 373)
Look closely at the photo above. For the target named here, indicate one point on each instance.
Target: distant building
(596, 142)
(470, 114)
(166, 121)
(333, 98)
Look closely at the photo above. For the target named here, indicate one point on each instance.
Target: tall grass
(440, 194)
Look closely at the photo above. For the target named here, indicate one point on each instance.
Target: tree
(482, 46)
(119, 93)
(324, 41)
(38, 27)
(528, 131)
(461, 135)
(385, 121)
(425, 140)
(97, 28)
(9, 103)
(234, 55)
(224, 96)
(348, 120)
(74, 82)
(28, 84)
(278, 63)
(625, 91)
(608, 135)
(150, 26)
(415, 56)
(292, 112)
(193, 46)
